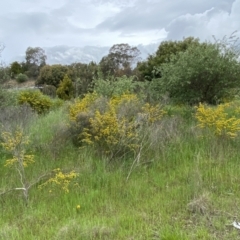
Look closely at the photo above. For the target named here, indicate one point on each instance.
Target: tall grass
(183, 186)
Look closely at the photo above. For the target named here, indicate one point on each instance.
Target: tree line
(188, 71)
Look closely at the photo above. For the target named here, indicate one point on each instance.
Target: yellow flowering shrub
(39, 103)
(153, 112)
(219, 120)
(81, 105)
(124, 98)
(15, 143)
(60, 179)
(114, 129)
(112, 135)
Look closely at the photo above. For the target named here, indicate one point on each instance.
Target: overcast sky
(79, 23)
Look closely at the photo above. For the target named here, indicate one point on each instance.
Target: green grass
(189, 190)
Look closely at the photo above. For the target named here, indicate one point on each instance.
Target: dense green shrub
(149, 69)
(21, 78)
(15, 68)
(49, 90)
(4, 74)
(38, 102)
(8, 98)
(52, 75)
(117, 86)
(203, 73)
(65, 89)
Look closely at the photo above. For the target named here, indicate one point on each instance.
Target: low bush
(38, 102)
(117, 86)
(222, 120)
(49, 90)
(21, 78)
(109, 126)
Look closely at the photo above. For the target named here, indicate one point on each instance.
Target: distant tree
(4, 70)
(52, 75)
(15, 68)
(35, 60)
(120, 60)
(83, 76)
(149, 69)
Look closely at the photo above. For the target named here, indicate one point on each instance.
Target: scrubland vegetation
(149, 155)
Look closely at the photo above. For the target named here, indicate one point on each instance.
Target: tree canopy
(120, 60)
(203, 73)
(35, 60)
(148, 69)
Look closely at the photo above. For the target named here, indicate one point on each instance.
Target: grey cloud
(147, 15)
(213, 22)
(106, 22)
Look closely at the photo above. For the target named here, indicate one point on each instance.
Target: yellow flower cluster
(114, 130)
(61, 179)
(126, 97)
(109, 132)
(218, 120)
(23, 158)
(15, 143)
(37, 100)
(153, 113)
(11, 141)
(81, 105)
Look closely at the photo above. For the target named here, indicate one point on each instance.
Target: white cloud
(204, 25)
(106, 22)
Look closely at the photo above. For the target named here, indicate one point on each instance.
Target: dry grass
(14, 84)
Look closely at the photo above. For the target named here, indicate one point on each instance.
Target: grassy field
(182, 186)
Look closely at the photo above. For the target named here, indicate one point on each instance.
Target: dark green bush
(49, 90)
(203, 73)
(52, 75)
(21, 78)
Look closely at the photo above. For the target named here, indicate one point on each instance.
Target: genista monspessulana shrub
(109, 126)
(38, 102)
(203, 73)
(65, 89)
(221, 120)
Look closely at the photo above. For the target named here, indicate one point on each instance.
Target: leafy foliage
(149, 69)
(65, 89)
(203, 73)
(38, 102)
(15, 68)
(52, 75)
(21, 78)
(4, 71)
(117, 86)
(83, 76)
(120, 60)
(35, 60)
(49, 90)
